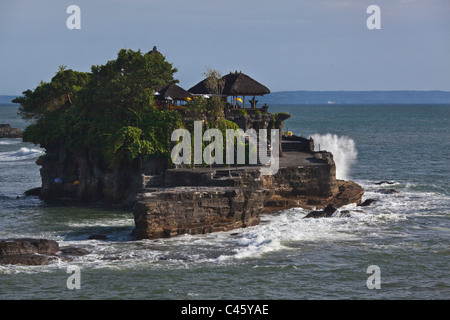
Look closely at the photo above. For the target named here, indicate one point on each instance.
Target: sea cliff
(223, 199)
(172, 201)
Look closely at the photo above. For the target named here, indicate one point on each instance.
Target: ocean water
(406, 234)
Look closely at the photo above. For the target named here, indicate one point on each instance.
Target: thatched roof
(173, 91)
(154, 51)
(236, 84)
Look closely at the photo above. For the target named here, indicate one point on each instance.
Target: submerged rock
(33, 192)
(29, 259)
(344, 214)
(98, 237)
(73, 251)
(387, 191)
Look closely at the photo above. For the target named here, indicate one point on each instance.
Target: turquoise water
(406, 234)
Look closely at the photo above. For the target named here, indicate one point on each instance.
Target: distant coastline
(337, 97)
(6, 99)
(356, 97)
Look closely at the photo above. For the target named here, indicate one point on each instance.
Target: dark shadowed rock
(72, 251)
(344, 214)
(387, 191)
(325, 213)
(28, 259)
(97, 237)
(367, 202)
(33, 192)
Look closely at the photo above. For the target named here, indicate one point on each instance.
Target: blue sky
(284, 44)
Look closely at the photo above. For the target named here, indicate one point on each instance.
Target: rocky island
(107, 137)
(11, 133)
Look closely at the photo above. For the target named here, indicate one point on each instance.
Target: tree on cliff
(108, 111)
(53, 96)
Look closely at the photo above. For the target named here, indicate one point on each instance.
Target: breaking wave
(343, 149)
(22, 154)
(9, 141)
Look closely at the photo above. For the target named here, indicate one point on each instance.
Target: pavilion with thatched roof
(234, 85)
(171, 96)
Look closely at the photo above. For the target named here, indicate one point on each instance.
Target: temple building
(171, 96)
(233, 86)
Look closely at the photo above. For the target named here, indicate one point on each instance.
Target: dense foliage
(109, 111)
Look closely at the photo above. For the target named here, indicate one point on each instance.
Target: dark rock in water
(197, 210)
(7, 132)
(349, 192)
(387, 191)
(72, 251)
(34, 252)
(111, 258)
(28, 259)
(33, 192)
(325, 213)
(384, 182)
(98, 237)
(344, 214)
(28, 251)
(367, 202)
(27, 246)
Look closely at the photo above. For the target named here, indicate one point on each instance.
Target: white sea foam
(21, 154)
(288, 230)
(9, 141)
(343, 149)
(285, 230)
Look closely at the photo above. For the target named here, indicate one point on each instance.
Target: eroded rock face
(197, 210)
(207, 201)
(171, 202)
(85, 178)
